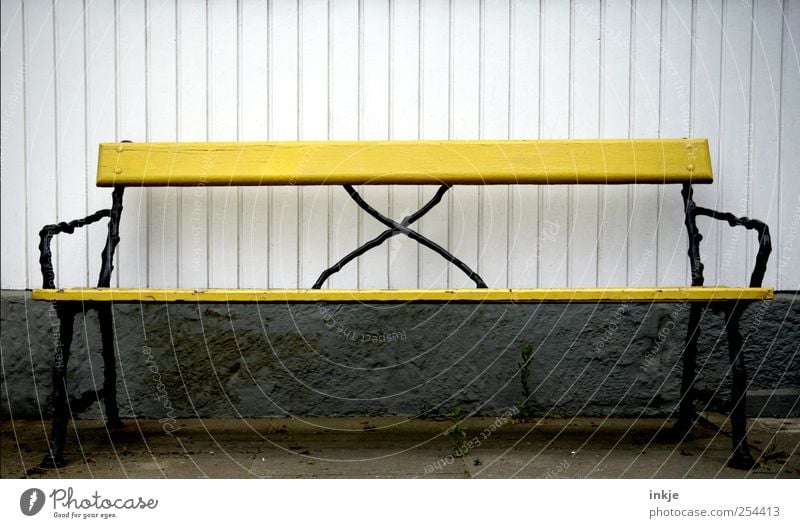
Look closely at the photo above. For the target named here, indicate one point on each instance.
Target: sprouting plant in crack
(524, 406)
(456, 434)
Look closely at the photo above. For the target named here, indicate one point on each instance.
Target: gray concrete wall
(416, 359)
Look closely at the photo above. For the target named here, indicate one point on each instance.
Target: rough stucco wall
(268, 360)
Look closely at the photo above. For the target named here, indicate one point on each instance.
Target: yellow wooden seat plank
(595, 161)
(562, 295)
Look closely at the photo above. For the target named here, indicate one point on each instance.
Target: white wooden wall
(77, 73)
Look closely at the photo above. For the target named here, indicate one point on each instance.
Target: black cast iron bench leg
(740, 457)
(109, 367)
(62, 408)
(61, 413)
(686, 414)
(66, 314)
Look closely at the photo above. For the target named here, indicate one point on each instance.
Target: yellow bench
(442, 163)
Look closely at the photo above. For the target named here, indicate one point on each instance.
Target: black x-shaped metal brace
(396, 228)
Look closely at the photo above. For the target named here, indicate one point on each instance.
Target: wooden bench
(443, 163)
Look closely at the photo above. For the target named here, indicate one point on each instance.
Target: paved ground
(398, 447)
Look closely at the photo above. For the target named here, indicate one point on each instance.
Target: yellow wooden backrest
(600, 161)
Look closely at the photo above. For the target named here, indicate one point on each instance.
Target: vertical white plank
(433, 109)
(101, 114)
(71, 130)
(404, 124)
(673, 265)
(284, 208)
(645, 107)
(314, 74)
(255, 23)
(788, 231)
(223, 238)
(464, 124)
(343, 228)
(192, 126)
(766, 117)
(615, 43)
(524, 117)
(554, 205)
(494, 106)
(374, 124)
(706, 120)
(735, 148)
(14, 244)
(40, 125)
(585, 115)
(131, 258)
(162, 222)
(256, 19)
(132, 87)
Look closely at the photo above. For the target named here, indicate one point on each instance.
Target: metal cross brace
(396, 228)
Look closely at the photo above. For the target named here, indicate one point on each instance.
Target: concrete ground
(397, 447)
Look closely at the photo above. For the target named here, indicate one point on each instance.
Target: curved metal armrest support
(47, 233)
(66, 315)
(764, 239)
(740, 457)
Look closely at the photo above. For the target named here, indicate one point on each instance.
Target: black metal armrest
(47, 233)
(764, 240)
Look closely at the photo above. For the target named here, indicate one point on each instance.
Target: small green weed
(456, 434)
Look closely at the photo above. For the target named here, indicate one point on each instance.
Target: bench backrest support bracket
(112, 239)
